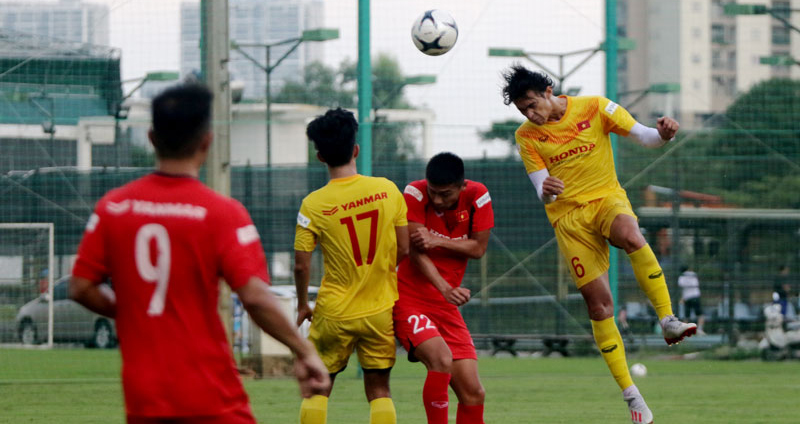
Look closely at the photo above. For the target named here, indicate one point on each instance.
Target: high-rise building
(257, 21)
(66, 20)
(712, 56)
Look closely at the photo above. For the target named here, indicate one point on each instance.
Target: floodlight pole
(611, 47)
(364, 89)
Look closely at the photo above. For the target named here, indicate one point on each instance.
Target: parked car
(72, 323)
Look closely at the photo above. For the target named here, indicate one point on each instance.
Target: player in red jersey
(165, 240)
(449, 220)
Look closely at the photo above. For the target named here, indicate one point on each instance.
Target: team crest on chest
(463, 216)
(584, 125)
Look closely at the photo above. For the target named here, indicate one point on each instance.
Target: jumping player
(566, 150)
(165, 240)
(449, 221)
(360, 224)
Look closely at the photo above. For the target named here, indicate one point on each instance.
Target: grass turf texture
(82, 386)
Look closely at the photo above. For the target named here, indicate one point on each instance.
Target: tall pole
(214, 59)
(611, 93)
(268, 106)
(364, 89)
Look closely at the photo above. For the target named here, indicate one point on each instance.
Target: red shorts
(415, 322)
(240, 415)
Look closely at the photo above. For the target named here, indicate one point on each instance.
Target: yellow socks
(609, 341)
(651, 280)
(381, 411)
(314, 410)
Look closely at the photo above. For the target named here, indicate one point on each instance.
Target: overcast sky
(466, 96)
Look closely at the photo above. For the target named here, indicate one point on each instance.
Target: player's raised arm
(266, 313)
(665, 130)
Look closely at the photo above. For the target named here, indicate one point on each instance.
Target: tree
(325, 86)
(502, 131)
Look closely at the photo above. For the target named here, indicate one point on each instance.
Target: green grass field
(82, 386)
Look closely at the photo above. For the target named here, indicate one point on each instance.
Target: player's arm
(665, 130)
(98, 298)
(302, 275)
(547, 186)
(267, 313)
(455, 295)
(402, 242)
(474, 247)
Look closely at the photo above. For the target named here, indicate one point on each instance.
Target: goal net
(26, 283)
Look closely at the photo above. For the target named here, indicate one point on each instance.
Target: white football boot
(640, 413)
(675, 331)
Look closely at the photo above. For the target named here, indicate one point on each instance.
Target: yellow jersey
(577, 150)
(353, 219)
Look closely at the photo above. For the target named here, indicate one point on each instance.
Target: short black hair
(444, 169)
(334, 136)
(520, 79)
(181, 115)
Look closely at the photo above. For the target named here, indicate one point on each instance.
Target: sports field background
(82, 386)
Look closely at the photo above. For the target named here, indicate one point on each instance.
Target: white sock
(630, 391)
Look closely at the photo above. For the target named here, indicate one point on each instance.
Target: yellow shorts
(582, 234)
(372, 337)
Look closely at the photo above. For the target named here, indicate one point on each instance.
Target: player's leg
(600, 305)
(586, 252)
(465, 381)
(469, 390)
(334, 346)
(376, 387)
(421, 339)
(620, 226)
(376, 354)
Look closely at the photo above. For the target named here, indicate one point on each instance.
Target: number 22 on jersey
(158, 273)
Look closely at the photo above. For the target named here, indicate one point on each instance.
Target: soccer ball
(434, 32)
(638, 370)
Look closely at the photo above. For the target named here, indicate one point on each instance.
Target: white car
(72, 323)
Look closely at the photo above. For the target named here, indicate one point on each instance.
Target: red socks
(469, 414)
(435, 397)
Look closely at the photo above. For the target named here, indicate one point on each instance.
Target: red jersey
(165, 241)
(472, 213)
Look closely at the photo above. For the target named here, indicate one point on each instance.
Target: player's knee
(440, 363)
(474, 395)
(601, 310)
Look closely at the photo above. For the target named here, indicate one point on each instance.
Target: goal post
(22, 266)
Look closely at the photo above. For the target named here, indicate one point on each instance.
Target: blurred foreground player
(566, 150)
(165, 240)
(449, 222)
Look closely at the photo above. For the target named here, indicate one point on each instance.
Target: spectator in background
(44, 282)
(690, 297)
(781, 289)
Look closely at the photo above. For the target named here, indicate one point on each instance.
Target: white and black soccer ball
(434, 32)
(638, 370)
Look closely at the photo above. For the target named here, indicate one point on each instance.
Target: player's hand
(552, 186)
(457, 295)
(304, 312)
(667, 127)
(423, 240)
(312, 375)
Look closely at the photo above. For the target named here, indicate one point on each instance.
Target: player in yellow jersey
(361, 226)
(566, 149)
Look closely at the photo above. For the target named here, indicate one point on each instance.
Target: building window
(716, 59)
(780, 35)
(718, 33)
(782, 9)
(696, 58)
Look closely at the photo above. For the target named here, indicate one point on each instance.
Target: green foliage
(325, 86)
(502, 131)
(761, 123)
